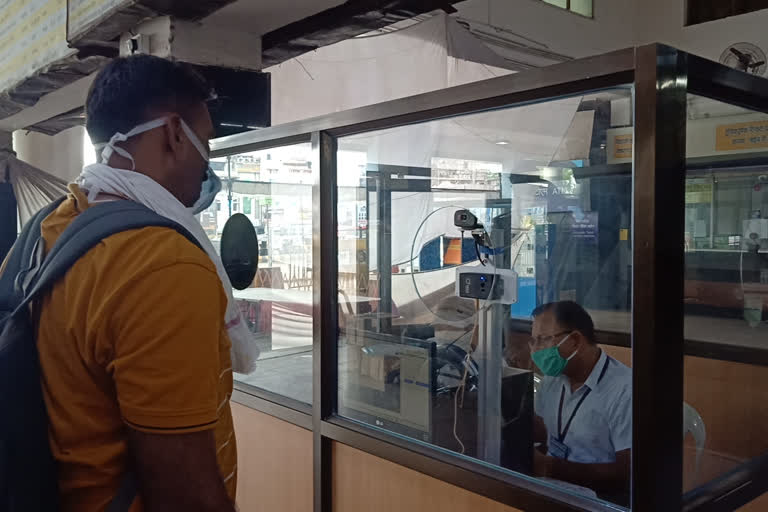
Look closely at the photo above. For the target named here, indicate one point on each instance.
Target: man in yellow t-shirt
(134, 351)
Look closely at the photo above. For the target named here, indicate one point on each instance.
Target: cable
(456, 415)
(460, 389)
(412, 258)
(489, 302)
(741, 272)
(477, 251)
(463, 383)
(461, 336)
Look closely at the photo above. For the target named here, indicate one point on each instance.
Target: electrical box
(487, 283)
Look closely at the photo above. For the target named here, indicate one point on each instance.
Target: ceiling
(262, 16)
(289, 28)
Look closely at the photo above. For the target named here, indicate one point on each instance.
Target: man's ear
(174, 135)
(581, 340)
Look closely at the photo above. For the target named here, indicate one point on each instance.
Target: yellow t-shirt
(132, 335)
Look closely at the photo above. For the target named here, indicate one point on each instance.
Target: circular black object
(240, 251)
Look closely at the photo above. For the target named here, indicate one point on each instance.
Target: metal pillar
(384, 260)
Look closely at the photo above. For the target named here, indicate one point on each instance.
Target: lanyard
(562, 433)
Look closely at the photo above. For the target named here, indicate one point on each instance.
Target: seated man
(585, 403)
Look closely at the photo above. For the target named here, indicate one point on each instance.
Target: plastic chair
(693, 423)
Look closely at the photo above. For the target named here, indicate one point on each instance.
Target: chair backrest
(269, 277)
(693, 423)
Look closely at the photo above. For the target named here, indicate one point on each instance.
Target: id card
(558, 449)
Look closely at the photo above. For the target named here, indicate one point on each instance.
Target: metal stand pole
(488, 356)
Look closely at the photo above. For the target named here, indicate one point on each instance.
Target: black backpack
(28, 477)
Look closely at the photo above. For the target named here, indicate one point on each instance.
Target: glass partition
(273, 189)
(485, 283)
(455, 239)
(726, 292)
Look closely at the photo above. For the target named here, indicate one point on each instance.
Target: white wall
(663, 21)
(562, 31)
(60, 155)
(617, 24)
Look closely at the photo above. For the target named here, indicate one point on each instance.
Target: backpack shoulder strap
(87, 230)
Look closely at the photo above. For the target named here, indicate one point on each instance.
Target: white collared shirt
(602, 425)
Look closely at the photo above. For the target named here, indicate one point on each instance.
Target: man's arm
(178, 472)
(612, 477)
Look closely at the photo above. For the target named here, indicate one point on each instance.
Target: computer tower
(515, 423)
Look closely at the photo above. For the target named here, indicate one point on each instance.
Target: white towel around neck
(101, 179)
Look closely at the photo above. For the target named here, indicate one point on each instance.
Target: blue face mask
(549, 360)
(211, 187)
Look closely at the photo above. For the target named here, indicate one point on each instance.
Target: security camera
(465, 220)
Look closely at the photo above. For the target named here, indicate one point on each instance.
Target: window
(277, 307)
(726, 289)
(417, 355)
(701, 11)
(582, 7)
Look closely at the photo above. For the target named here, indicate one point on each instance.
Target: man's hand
(610, 477)
(178, 472)
(542, 464)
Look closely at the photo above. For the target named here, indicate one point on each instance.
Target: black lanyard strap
(560, 432)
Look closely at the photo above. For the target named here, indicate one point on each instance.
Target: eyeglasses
(546, 340)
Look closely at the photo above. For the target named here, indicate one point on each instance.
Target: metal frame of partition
(662, 78)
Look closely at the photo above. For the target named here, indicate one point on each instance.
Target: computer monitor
(387, 381)
(391, 382)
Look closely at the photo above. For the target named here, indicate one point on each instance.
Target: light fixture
(502, 142)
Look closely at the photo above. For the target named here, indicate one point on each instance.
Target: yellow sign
(622, 146)
(624, 235)
(33, 33)
(698, 193)
(752, 135)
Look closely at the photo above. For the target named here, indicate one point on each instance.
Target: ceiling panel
(262, 16)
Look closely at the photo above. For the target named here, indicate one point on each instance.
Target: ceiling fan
(745, 57)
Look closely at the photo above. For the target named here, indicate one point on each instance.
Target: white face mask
(211, 184)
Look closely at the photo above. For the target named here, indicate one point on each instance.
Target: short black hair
(126, 91)
(570, 315)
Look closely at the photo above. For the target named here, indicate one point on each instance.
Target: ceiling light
(502, 142)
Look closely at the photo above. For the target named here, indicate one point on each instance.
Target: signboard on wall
(750, 135)
(620, 145)
(706, 137)
(32, 36)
